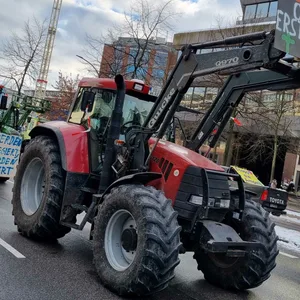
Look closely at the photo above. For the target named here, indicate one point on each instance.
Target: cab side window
(77, 114)
(102, 110)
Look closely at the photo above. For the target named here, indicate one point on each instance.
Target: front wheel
(136, 240)
(253, 269)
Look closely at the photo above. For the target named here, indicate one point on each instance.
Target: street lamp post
(98, 73)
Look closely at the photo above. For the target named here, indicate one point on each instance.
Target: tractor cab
(95, 101)
(93, 106)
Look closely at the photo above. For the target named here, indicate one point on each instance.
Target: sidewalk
(293, 203)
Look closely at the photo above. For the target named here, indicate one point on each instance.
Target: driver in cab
(102, 111)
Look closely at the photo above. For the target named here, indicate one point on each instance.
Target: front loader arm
(191, 65)
(233, 92)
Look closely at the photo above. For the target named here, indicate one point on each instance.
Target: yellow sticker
(247, 176)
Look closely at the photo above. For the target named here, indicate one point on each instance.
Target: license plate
(273, 205)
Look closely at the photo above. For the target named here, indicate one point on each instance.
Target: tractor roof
(108, 83)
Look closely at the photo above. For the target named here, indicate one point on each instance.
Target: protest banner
(287, 34)
(10, 147)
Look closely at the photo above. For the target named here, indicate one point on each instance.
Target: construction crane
(41, 84)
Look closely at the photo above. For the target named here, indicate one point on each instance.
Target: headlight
(222, 203)
(198, 200)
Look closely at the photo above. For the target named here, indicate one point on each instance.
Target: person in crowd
(274, 184)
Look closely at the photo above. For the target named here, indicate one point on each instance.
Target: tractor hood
(178, 153)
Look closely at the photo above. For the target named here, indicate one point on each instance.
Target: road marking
(11, 249)
(288, 255)
(10, 181)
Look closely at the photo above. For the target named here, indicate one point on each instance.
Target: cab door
(99, 124)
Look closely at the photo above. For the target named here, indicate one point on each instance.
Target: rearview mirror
(3, 103)
(87, 101)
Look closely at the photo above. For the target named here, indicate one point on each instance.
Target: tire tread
(162, 240)
(257, 265)
(47, 226)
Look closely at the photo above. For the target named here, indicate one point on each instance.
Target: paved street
(65, 271)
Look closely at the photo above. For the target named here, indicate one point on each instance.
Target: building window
(158, 73)
(199, 93)
(273, 9)
(261, 10)
(161, 59)
(198, 98)
(187, 100)
(140, 73)
(135, 55)
(211, 94)
(250, 12)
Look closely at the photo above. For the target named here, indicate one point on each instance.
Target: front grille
(193, 183)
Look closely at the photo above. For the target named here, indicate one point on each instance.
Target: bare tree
(22, 53)
(224, 30)
(108, 65)
(66, 86)
(143, 22)
(271, 126)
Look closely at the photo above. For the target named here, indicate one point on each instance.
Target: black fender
(54, 132)
(137, 178)
(250, 194)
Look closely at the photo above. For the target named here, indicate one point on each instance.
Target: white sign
(10, 147)
(287, 34)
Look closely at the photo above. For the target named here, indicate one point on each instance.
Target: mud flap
(220, 238)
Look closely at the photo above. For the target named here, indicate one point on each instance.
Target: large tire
(253, 269)
(39, 164)
(158, 241)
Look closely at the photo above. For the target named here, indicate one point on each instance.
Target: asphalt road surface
(64, 270)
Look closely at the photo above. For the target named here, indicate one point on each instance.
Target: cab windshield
(135, 110)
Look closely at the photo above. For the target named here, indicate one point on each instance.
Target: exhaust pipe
(113, 134)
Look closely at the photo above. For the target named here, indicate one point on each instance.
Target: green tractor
(16, 119)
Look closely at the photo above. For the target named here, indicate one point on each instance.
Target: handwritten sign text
(287, 36)
(10, 147)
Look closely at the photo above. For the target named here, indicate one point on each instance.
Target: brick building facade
(149, 60)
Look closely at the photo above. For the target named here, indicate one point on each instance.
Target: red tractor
(149, 199)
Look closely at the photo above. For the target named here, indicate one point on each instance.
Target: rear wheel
(253, 269)
(136, 240)
(38, 191)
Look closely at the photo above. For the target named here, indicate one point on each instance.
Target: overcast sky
(79, 17)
